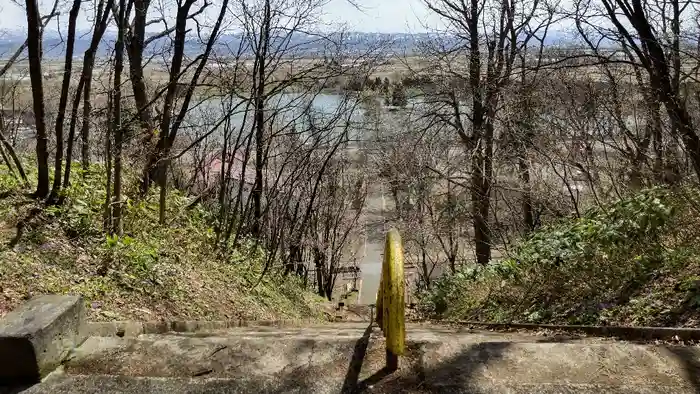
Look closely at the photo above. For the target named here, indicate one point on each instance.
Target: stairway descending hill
(349, 357)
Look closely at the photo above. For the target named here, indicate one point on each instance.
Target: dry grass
(152, 273)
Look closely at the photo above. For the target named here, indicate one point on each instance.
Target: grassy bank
(634, 262)
(153, 272)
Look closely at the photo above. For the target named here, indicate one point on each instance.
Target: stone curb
(621, 332)
(134, 328)
(36, 337)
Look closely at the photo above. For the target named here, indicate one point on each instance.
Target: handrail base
(392, 361)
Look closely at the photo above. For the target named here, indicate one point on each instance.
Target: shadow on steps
(351, 381)
(389, 381)
(690, 363)
(479, 368)
(338, 361)
(452, 375)
(14, 389)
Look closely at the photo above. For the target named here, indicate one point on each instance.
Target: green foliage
(132, 258)
(607, 234)
(9, 183)
(150, 272)
(619, 263)
(81, 214)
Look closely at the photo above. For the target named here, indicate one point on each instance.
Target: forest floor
(151, 273)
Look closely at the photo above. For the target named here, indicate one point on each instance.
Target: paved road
(375, 223)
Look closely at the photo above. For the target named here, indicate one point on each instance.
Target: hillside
(633, 262)
(153, 272)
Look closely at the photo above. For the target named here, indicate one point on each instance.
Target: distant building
(238, 172)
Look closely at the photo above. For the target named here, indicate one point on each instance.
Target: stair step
(436, 358)
(130, 328)
(82, 384)
(234, 356)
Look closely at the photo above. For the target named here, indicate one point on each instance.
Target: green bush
(589, 270)
(151, 272)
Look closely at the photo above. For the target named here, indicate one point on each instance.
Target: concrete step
(330, 358)
(137, 328)
(220, 357)
(105, 384)
(422, 330)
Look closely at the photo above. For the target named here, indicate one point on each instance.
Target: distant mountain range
(302, 43)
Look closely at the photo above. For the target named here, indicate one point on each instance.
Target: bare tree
(63, 101)
(116, 121)
(334, 221)
(84, 90)
(651, 35)
(34, 38)
(502, 28)
(9, 63)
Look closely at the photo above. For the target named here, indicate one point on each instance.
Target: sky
(384, 16)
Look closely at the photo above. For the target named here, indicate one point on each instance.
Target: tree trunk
(36, 77)
(135, 47)
(7, 162)
(63, 101)
(479, 184)
(170, 132)
(480, 209)
(259, 170)
(482, 163)
(164, 139)
(117, 119)
(11, 151)
(107, 219)
(424, 266)
(319, 261)
(681, 118)
(657, 65)
(260, 122)
(528, 217)
(87, 109)
(452, 260)
(85, 89)
(657, 140)
(135, 50)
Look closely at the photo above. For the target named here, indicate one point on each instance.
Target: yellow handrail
(390, 299)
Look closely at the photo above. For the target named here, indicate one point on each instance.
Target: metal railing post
(391, 300)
